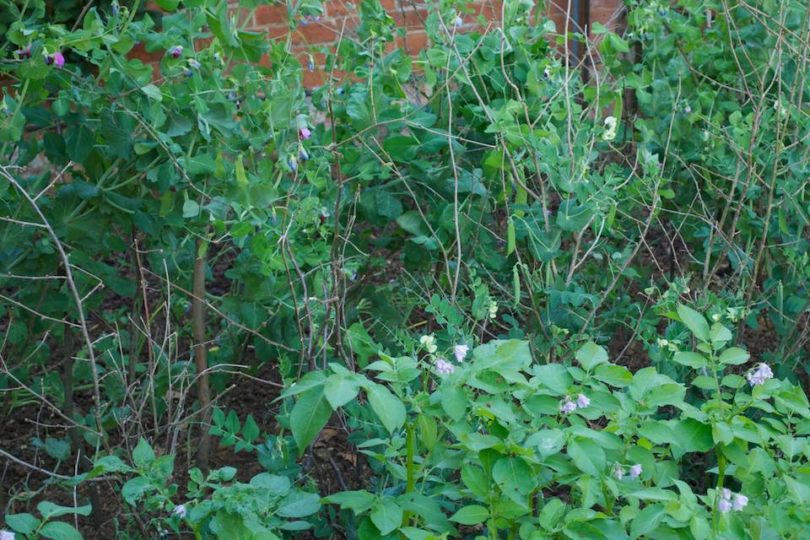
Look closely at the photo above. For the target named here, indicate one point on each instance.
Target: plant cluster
(519, 274)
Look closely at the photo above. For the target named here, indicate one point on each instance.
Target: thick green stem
(721, 467)
(410, 468)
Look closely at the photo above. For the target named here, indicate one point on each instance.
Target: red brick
(275, 31)
(314, 78)
(271, 15)
(413, 42)
(317, 33)
(338, 8)
(490, 10)
(412, 18)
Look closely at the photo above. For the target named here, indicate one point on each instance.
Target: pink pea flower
(443, 367)
(759, 375)
(740, 501)
(635, 471)
(567, 406)
(582, 401)
(57, 59)
(176, 51)
(460, 352)
(304, 133)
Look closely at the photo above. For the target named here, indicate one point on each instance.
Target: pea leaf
(386, 515)
(694, 321)
(591, 355)
(470, 515)
(386, 406)
(308, 417)
(734, 356)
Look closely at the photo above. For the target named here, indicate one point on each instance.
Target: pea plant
(529, 281)
(492, 443)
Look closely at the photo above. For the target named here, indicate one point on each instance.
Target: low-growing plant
(505, 445)
(213, 505)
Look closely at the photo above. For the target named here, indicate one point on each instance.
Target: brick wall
(341, 16)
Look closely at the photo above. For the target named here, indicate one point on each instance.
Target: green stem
(721, 466)
(410, 468)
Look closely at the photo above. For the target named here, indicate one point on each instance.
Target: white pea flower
(567, 406)
(428, 342)
(6, 535)
(759, 375)
(610, 129)
(618, 471)
(635, 471)
(180, 510)
(739, 502)
(460, 352)
(443, 367)
(458, 22)
(583, 401)
(724, 506)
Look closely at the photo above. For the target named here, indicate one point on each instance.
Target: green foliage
(496, 447)
(615, 239)
(214, 505)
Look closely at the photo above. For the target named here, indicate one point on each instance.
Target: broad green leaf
(654, 494)
(618, 376)
(552, 514)
(386, 515)
(356, 501)
(515, 478)
(720, 335)
(250, 431)
(734, 356)
(386, 406)
(666, 394)
(471, 515)
(693, 436)
(691, 359)
(475, 479)
(554, 377)
(111, 464)
(694, 321)
(587, 456)
(22, 523)
(49, 510)
(299, 504)
(547, 441)
(143, 454)
(454, 402)
(647, 520)
(59, 530)
(429, 509)
(591, 355)
(191, 208)
(153, 92)
(134, 489)
(308, 417)
(340, 389)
